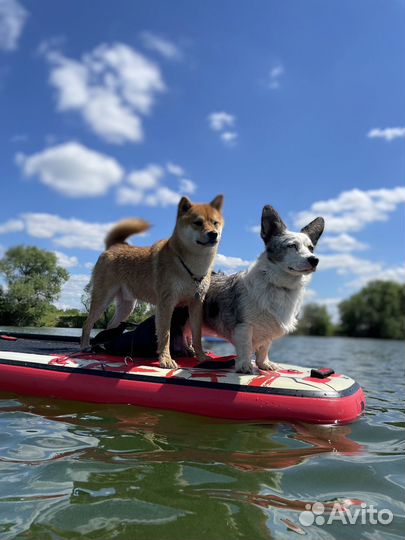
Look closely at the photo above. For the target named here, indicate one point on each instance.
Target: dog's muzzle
(212, 239)
(313, 261)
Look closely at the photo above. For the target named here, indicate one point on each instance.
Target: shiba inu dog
(252, 308)
(172, 272)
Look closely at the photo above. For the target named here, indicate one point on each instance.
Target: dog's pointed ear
(272, 224)
(314, 229)
(218, 202)
(184, 206)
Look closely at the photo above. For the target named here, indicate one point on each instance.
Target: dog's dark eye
(198, 222)
(293, 246)
(311, 248)
(216, 223)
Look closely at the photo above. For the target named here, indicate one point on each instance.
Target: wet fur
(156, 274)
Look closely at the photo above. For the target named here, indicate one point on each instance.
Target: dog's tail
(123, 229)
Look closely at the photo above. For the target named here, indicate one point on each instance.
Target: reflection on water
(73, 470)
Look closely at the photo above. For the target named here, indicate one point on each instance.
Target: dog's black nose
(212, 235)
(313, 261)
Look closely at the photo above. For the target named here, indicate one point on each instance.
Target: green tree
(315, 321)
(33, 281)
(378, 311)
(70, 318)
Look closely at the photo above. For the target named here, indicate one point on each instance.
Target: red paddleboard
(292, 393)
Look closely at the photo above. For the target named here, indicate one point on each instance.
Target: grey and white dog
(252, 308)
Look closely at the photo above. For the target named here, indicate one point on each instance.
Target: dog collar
(193, 277)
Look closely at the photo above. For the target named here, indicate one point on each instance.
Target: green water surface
(72, 470)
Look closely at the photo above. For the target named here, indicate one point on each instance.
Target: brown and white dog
(172, 272)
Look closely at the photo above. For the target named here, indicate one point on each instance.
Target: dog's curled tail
(123, 229)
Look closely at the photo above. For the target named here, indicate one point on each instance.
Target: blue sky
(114, 109)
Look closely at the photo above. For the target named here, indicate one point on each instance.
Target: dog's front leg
(262, 357)
(242, 339)
(163, 317)
(196, 314)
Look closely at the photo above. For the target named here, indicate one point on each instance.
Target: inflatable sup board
(212, 388)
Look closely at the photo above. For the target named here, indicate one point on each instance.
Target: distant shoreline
(73, 334)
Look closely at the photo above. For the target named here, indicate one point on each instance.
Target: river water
(75, 470)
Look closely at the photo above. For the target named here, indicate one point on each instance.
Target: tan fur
(156, 274)
(123, 229)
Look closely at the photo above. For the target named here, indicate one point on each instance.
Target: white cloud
(342, 243)
(146, 187)
(65, 260)
(187, 186)
(12, 225)
(73, 170)
(224, 123)
(329, 302)
(174, 169)
(274, 77)
(69, 233)
(255, 229)
(230, 263)
(89, 265)
(12, 20)
(346, 263)
(147, 178)
(112, 87)
(389, 134)
(229, 137)
(353, 210)
(391, 273)
(72, 292)
(221, 120)
(163, 196)
(160, 45)
(126, 195)
(309, 294)
(364, 270)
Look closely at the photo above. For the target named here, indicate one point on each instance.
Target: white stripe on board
(27, 357)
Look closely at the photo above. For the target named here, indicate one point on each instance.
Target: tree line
(377, 311)
(31, 281)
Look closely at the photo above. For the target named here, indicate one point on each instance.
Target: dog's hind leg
(123, 309)
(99, 301)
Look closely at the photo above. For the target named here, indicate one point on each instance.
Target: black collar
(193, 277)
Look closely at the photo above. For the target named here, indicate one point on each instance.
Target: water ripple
(74, 470)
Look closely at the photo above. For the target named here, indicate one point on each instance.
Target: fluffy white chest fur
(273, 299)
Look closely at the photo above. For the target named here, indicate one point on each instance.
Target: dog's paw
(202, 357)
(189, 351)
(244, 367)
(267, 365)
(168, 363)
